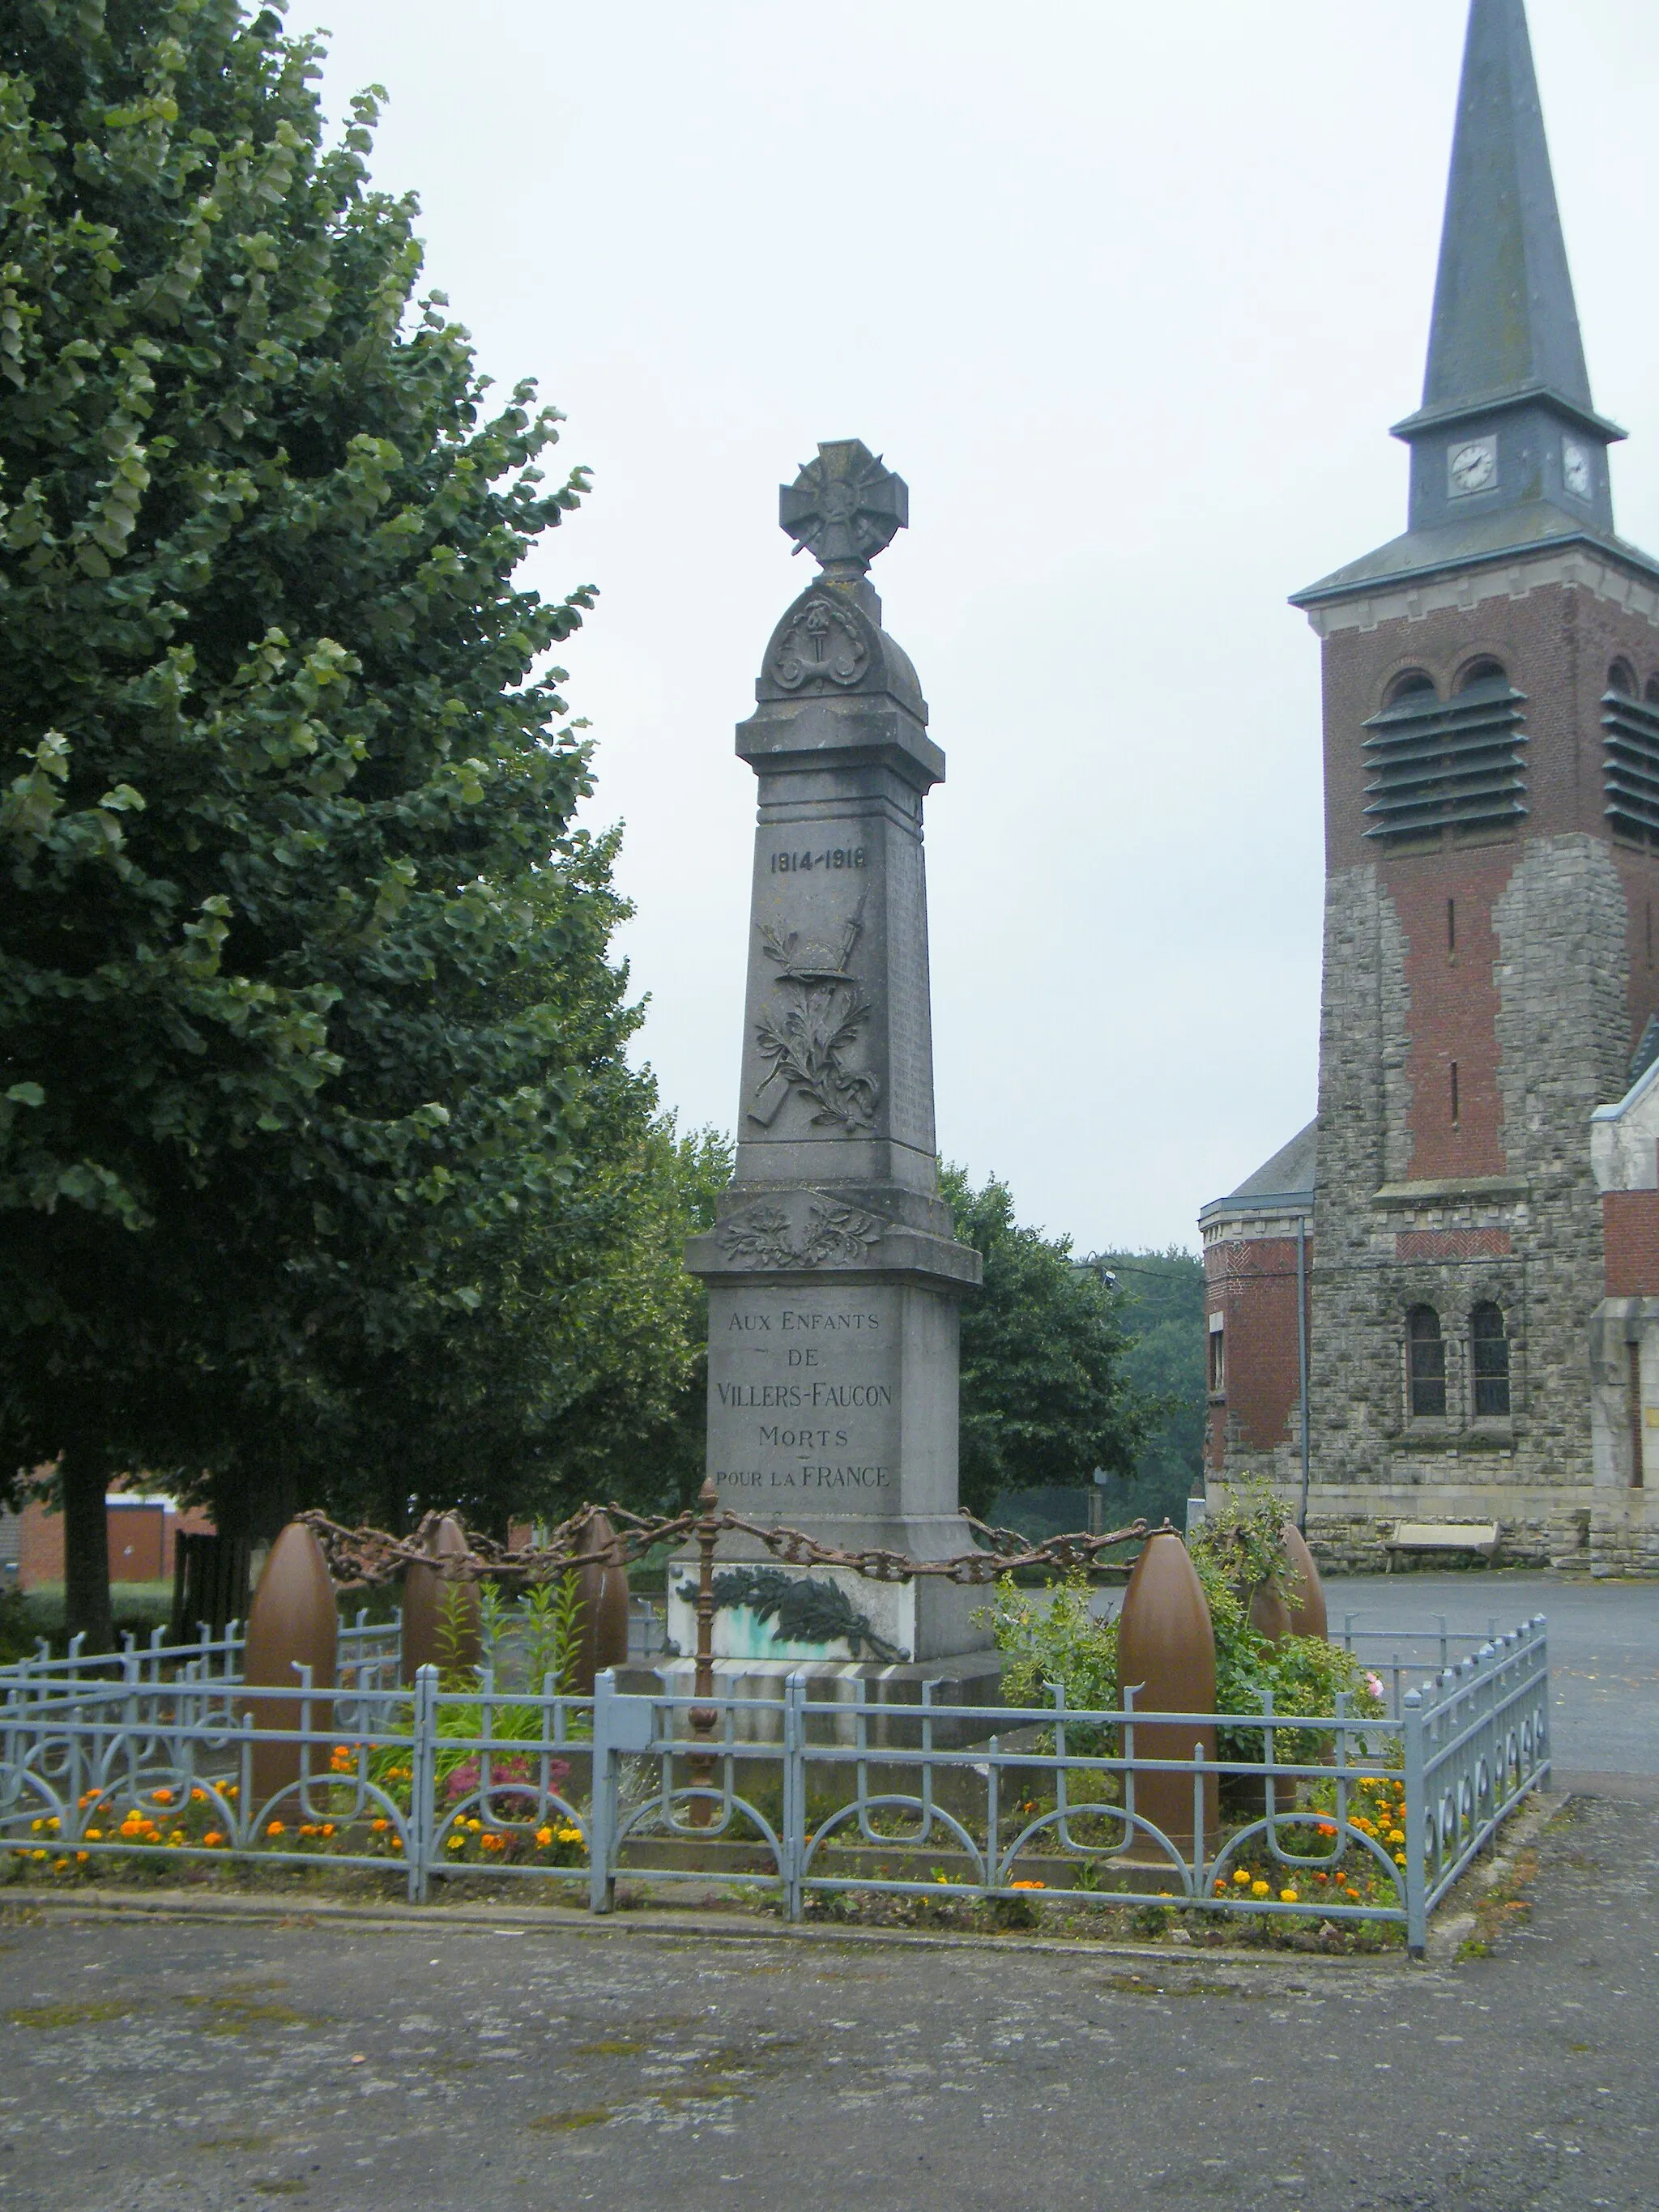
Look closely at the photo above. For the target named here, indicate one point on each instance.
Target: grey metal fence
(1336, 1817)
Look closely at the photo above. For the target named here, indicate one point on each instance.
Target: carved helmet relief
(807, 1033)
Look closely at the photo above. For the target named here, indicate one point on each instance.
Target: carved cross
(845, 507)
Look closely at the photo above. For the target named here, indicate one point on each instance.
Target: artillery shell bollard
(1166, 1656)
(602, 1586)
(428, 1591)
(292, 1622)
(1306, 1602)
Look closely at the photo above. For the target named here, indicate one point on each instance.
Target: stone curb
(179, 1905)
(1448, 1930)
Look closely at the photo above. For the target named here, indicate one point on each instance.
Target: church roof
(1504, 319)
(1287, 1178)
(1504, 348)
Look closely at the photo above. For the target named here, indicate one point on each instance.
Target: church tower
(1491, 831)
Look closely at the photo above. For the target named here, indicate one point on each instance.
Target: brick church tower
(1491, 836)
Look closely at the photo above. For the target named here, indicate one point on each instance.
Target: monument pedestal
(834, 1279)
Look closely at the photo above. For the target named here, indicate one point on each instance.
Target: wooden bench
(1477, 1537)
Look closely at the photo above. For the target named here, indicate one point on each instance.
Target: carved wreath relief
(763, 1236)
(805, 1040)
(821, 645)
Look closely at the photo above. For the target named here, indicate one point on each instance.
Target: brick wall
(141, 1534)
(1631, 1227)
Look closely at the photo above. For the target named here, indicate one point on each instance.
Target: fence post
(423, 1782)
(602, 1808)
(1416, 1815)
(794, 1791)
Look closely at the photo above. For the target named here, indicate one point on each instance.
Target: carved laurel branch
(761, 1236)
(362, 1557)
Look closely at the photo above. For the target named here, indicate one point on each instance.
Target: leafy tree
(1045, 1395)
(290, 1042)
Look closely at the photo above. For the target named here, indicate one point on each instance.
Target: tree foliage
(306, 1026)
(1045, 1395)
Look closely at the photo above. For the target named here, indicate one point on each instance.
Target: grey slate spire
(1504, 321)
(1508, 452)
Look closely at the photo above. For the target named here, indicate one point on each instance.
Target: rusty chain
(363, 1557)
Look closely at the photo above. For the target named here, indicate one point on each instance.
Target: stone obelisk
(834, 1279)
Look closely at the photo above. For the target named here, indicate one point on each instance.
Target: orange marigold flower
(1027, 1885)
(161, 1797)
(275, 1828)
(543, 1837)
(213, 1839)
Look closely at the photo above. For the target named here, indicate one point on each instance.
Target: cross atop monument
(844, 507)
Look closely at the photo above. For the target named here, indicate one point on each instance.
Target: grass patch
(70, 2015)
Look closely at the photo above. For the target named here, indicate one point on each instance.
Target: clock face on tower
(1472, 467)
(1575, 469)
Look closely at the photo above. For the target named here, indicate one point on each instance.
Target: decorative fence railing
(1337, 1818)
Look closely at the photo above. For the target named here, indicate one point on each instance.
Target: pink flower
(1374, 1684)
(516, 1773)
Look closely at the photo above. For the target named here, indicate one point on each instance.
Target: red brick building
(142, 1535)
(1258, 1245)
(1492, 834)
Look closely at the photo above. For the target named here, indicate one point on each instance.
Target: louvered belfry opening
(1447, 769)
(1630, 728)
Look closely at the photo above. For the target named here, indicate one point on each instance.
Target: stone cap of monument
(833, 681)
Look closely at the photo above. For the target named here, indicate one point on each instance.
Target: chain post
(423, 1782)
(703, 1716)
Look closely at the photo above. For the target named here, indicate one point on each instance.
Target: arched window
(1489, 1347)
(1441, 769)
(1413, 684)
(1426, 1361)
(1629, 761)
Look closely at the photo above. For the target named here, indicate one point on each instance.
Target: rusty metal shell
(425, 1590)
(292, 1622)
(1270, 1616)
(1306, 1601)
(1166, 1655)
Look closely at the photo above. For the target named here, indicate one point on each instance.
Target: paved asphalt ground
(202, 2065)
(205, 2067)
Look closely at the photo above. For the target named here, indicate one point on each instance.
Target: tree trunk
(82, 1480)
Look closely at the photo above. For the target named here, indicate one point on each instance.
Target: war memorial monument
(834, 1279)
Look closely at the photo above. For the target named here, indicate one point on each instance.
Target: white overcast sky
(1129, 294)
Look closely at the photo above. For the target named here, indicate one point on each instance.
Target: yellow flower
(456, 1844)
(81, 1857)
(1287, 1897)
(1261, 1889)
(176, 1838)
(1396, 1835)
(230, 1789)
(60, 1866)
(570, 1835)
(1242, 1877)
(1399, 1858)
(95, 1835)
